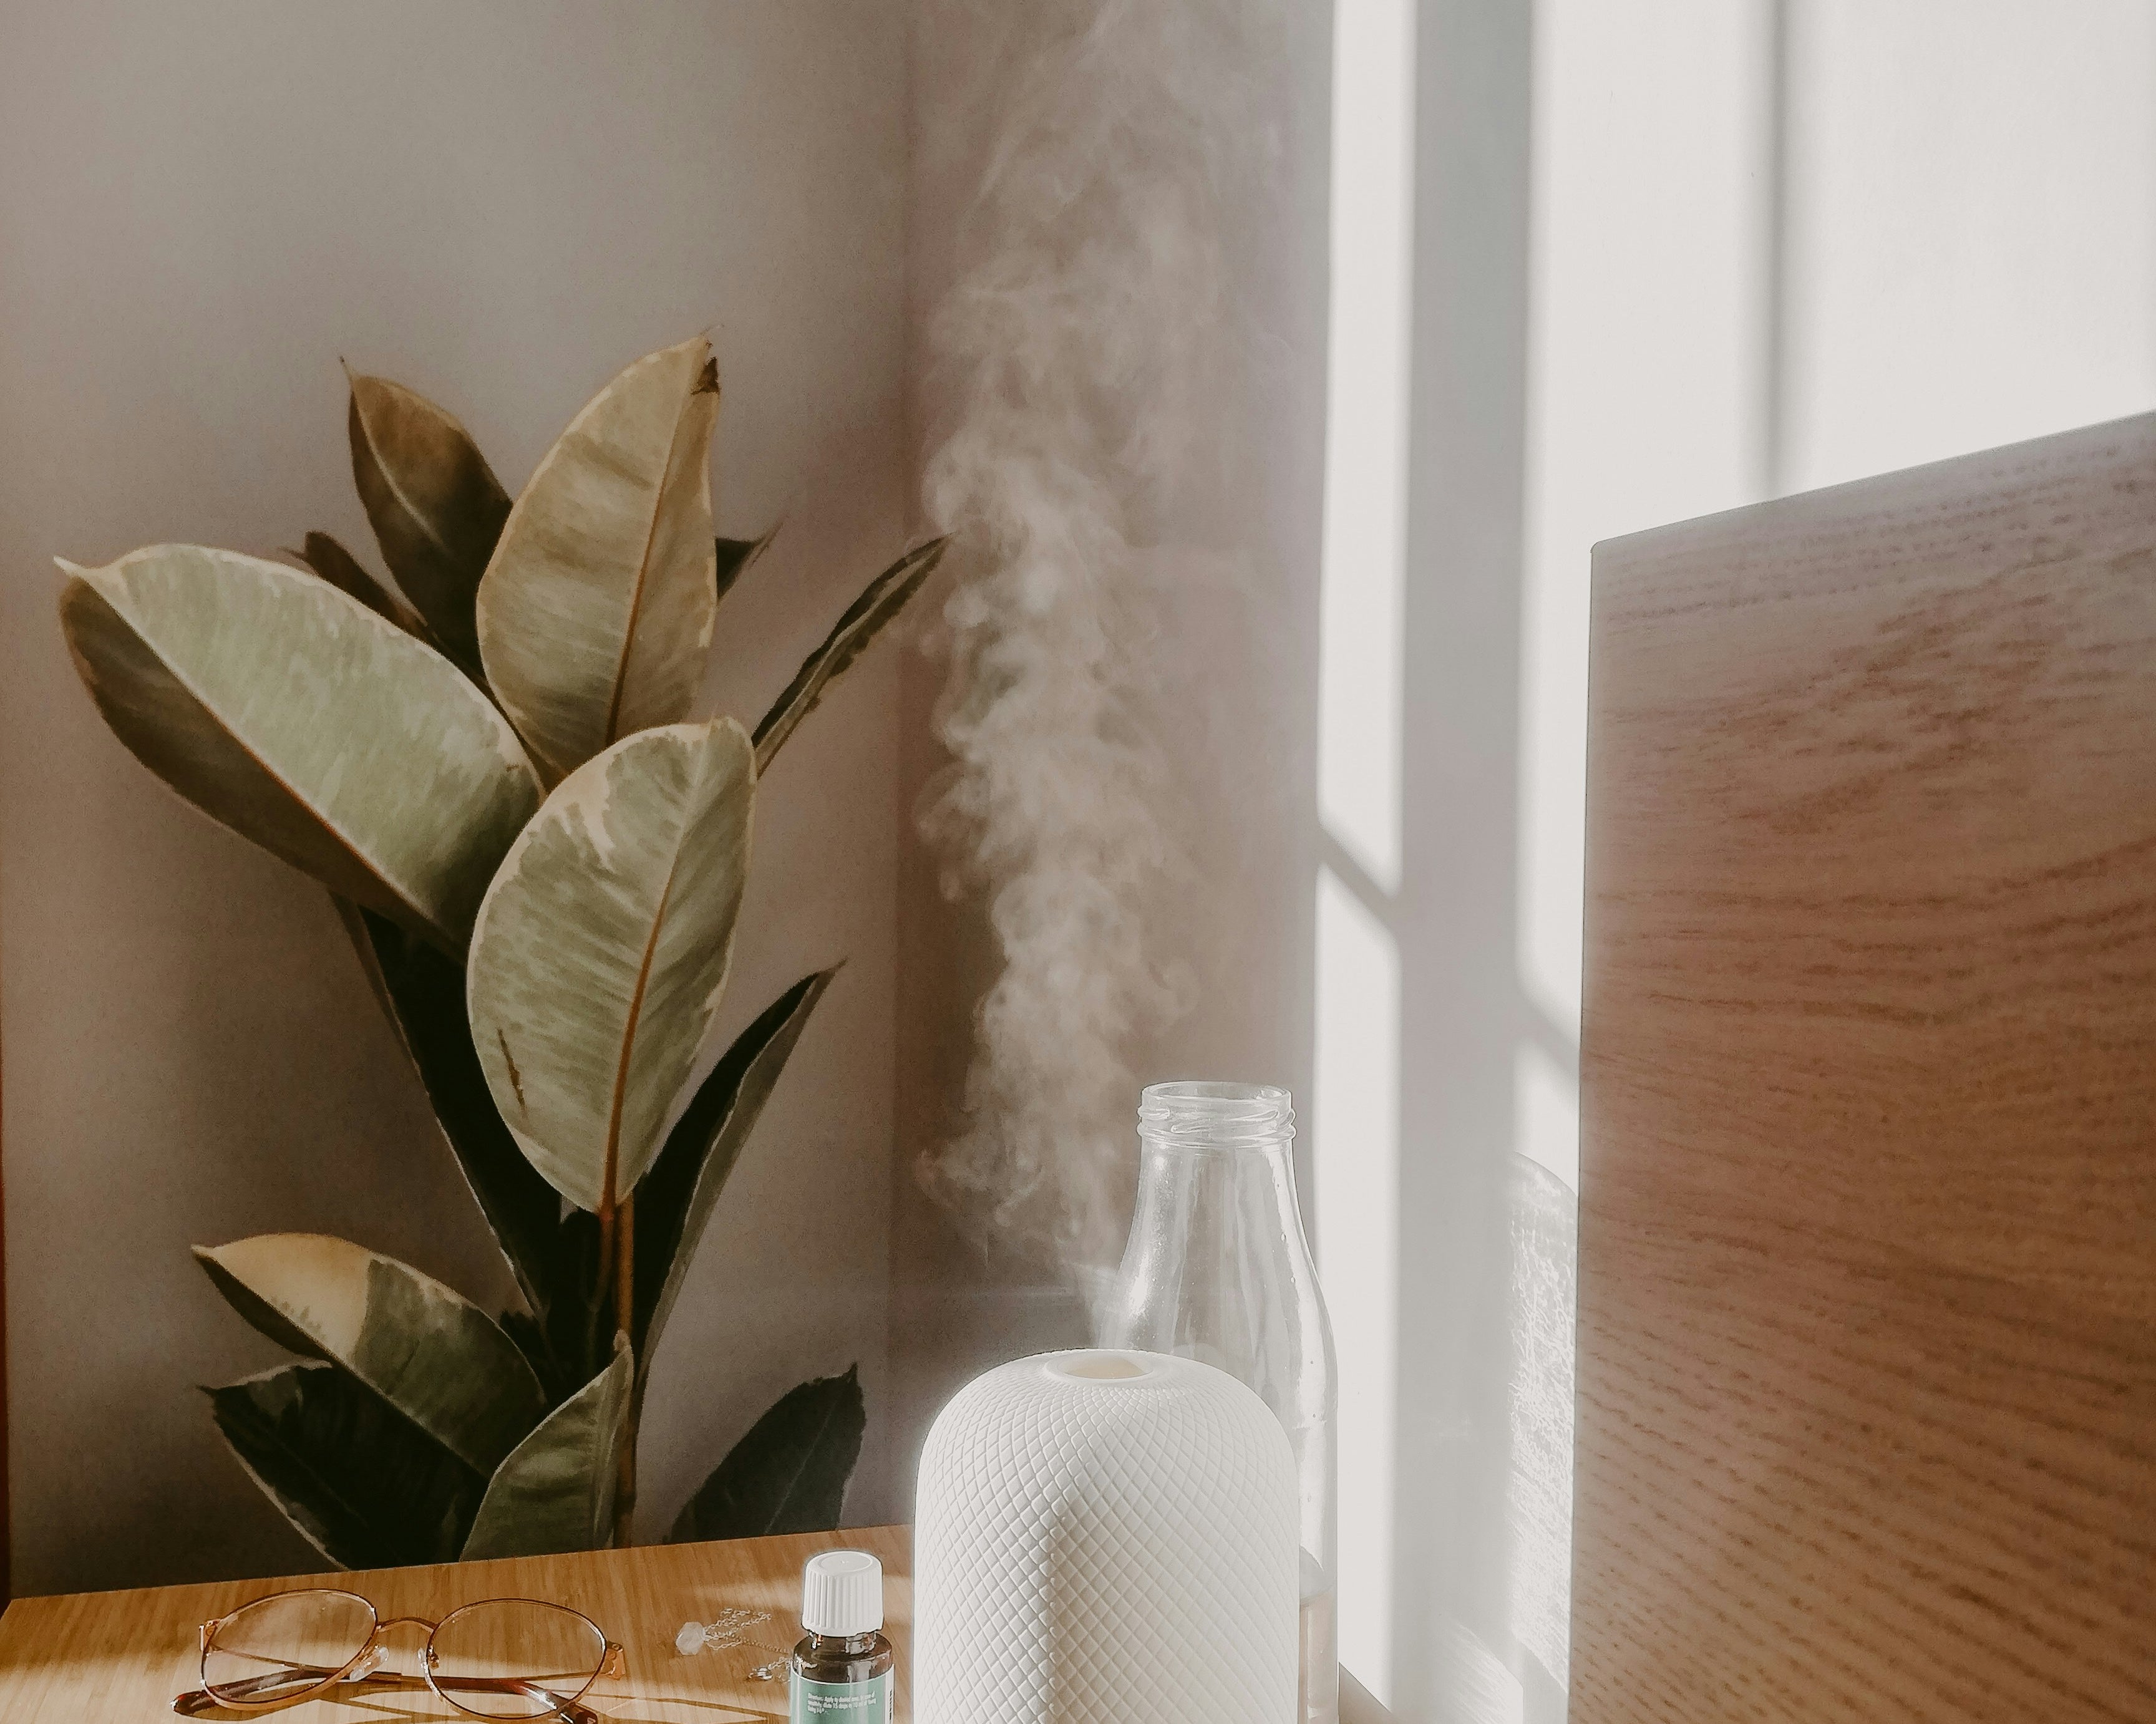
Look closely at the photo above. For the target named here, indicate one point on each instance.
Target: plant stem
(625, 1316)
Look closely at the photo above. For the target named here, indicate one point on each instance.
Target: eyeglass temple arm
(198, 1700)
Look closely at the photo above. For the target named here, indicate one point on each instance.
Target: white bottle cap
(842, 1595)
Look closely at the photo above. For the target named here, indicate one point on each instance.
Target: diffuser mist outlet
(1105, 1537)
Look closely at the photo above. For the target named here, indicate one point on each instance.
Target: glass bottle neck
(1216, 1156)
(1216, 1116)
(842, 1645)
(1218, 1267)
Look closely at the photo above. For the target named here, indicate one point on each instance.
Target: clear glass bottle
(1217, 1269)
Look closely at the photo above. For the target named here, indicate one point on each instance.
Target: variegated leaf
(600, 951)
(425, 1349)
(596, 610)
(299, 718)
(555, 1491)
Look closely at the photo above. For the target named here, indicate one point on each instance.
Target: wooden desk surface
(122, 1656)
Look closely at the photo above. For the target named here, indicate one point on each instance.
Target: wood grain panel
(1867, 1296)
(124, 1656)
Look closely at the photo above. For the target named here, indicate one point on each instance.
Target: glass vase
(1217, 1268)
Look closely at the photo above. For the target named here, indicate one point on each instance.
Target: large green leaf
(553, 1257)
(883, 599)
(678, 1195)
(555, 1490)
(596, 610)
(789, 1473)
(434, 503)
(365, 1486)
(602, 949)
(433, 1356)
(301, 719)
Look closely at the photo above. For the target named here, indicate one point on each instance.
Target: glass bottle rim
(1196, 1114)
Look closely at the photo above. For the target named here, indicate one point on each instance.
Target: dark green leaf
(555, 1490)
(678, 1195)
(422, 992)
(337, 566)
(434, 503)
(579, 1316)
(789, 1473)
(886, 596)
(737, 556)
(555, 1260)
(524, 1329)
(567, 1345)
(365, 1486)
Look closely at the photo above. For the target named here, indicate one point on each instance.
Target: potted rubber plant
(539, 859)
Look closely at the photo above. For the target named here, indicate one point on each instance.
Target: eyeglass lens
(286, 1645)
(514, 1658)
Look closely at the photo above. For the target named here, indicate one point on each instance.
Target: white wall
(1971, 240)
(202, 207)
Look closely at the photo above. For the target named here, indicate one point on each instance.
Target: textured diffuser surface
(1105, 1538)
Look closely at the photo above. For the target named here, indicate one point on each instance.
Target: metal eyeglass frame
(613, 1662)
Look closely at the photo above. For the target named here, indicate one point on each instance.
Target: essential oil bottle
(841, 1669)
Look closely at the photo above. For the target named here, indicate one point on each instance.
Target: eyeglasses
(499, 1658)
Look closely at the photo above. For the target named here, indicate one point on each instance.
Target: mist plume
(1077, 363)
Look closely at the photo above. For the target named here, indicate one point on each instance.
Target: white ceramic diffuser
(1105, 1538)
